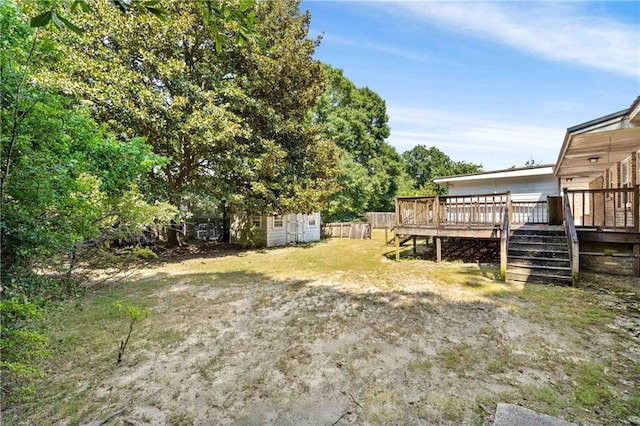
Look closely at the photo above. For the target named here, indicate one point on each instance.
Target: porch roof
(592, 147)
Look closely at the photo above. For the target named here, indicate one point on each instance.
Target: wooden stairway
(403, 240)
(539, 254)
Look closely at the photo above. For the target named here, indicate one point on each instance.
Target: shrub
(22, 346)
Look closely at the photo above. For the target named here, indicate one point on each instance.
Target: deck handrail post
(572, 238)
(509, 207)
(504, 245)
(636, 208)
(436, 211)
(397, 213)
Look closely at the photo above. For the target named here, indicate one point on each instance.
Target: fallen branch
(354, 400)
(340, 418)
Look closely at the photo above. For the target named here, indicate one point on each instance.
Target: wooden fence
(355, 231)
(381, 220)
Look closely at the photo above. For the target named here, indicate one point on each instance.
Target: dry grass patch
(337, 330)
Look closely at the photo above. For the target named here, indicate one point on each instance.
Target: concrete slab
(514, 415)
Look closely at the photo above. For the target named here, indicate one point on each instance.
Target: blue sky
(495, 83)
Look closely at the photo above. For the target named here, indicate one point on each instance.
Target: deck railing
(468, 210)
(573, 243)
(504, 244)
(615, 208)
(530, 212)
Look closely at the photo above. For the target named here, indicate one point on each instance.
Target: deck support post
(397, 238)
(415, 248)
(504, 238)
(636, 260)
(438, 249)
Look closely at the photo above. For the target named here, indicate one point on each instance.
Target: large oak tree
(234, 123)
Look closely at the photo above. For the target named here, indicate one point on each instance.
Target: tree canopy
(234, 123)
(65, 180)
(213, 12)
(356, 120)
(424, 164)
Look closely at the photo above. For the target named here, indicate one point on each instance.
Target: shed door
(292, 229)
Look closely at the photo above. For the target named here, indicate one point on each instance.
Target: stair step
(558, 269)
(538, 278)
(537, 243)
(538, 260)
(539, 239)
(538, 233)
(548, 253)
(536, 246)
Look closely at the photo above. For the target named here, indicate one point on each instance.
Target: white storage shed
(276, 230)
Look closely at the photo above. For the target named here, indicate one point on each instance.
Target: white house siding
(525, 188)
(528, 189)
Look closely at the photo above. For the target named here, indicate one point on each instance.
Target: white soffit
(605, 148)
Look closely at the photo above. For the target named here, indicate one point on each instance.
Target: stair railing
(504, 237)
(572, 238)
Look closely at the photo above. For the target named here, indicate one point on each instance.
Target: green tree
(356, 119)
(70, 187)
(57, 14)
(284, 164)
(424, 164)
(66, 186)
(352, 201)
(233, 124)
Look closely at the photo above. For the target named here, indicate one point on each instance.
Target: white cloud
(493, 142)
(378, 47)
(557, 32)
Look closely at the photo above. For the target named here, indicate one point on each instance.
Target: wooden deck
(473, 216)
(587, 215)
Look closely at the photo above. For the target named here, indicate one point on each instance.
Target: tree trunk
(173, 238)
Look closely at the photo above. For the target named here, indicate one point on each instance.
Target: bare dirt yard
(337, 333)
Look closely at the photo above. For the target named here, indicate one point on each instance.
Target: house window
(278, 221)
(256, 222)
(312, 220)
(625, 173)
